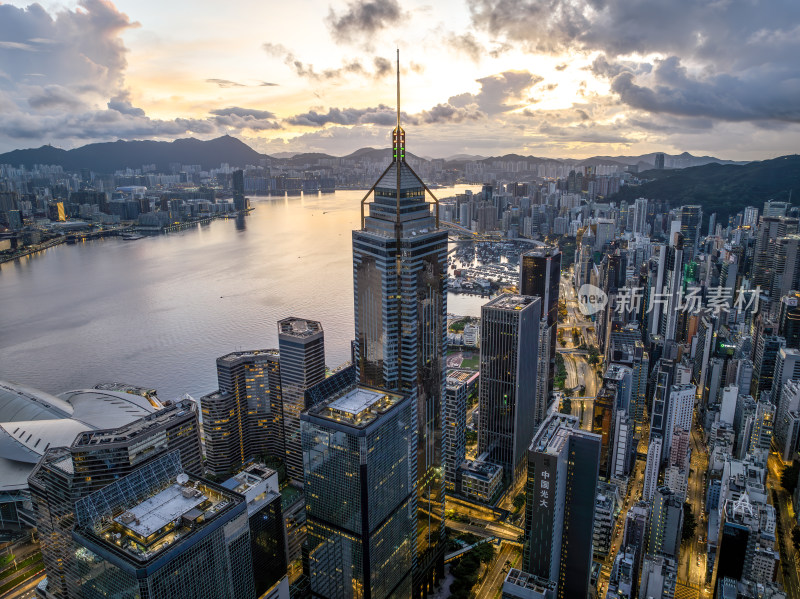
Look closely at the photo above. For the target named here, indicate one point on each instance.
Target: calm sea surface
(157, 312)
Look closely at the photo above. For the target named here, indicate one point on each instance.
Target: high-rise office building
(640, 217)
(563, 463)
(259, 485)
(671, 287)
(358, 451)
(770, 229)
(603, 420)
(159, 532)
(785, 267)
(507, 399)
(659, 160)
(766, 353)
(659, 577)
(787, 420)
(787, 367)
(691, 219)
(242, 419)
(302, 349)
(666, 524)
(540, 275)
(65, 475)
(789, 319)
(460, 384)
(652, 467)
(623, 449)
(679, 414)
(762, 426)
(400, 293)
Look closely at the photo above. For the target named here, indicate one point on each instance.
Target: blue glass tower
(400, 294)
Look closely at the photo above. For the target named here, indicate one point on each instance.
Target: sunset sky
(552, 78)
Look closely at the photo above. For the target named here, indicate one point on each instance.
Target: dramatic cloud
(122, 104)
(381, 67)
(732, 61)
(244, 113)
(54, 96)
(499, 93)
(466, 44)
(385, 116)
(72, 46)
(379, 115)
(749, 96)
(363, 19)
(447, 113)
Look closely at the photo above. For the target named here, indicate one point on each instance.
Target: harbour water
(157, 311)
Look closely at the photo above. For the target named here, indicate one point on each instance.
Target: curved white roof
(31, 422)
(107, 409)
(19, 402)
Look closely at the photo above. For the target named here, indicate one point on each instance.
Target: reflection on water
(158, 311)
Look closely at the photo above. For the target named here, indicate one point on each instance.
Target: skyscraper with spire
(400, 295)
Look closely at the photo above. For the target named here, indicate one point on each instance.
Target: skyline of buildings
(385, 469)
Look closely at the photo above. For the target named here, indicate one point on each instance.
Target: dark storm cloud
(122, 103)
(749, 96)
(54, 96)
(237, 117)
(728, 60)
(499, 93)
(363, 19)
(378, 115)
(385, 116)
(243, 112)
(447, 113)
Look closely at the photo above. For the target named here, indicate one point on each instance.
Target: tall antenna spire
(399, 136)
(398, 88)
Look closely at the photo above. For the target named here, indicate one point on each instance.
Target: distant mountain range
(113, 156)
(724, 189)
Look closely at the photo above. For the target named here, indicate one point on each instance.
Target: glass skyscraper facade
(302, 349)
(65, 475)
(400, 295)
(358, 450)
(243, 419)
(563, 464)
(540, 275)
(160, 534)
(507, 397)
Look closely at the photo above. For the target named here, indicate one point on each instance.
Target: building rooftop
(157, 511)
(457, 377)
(480, 469)
(510, 301)
(157, 507)
(249, 354)
(555, 431)
(543, 251)
(299, 327)
(529, 581)
(356, 406)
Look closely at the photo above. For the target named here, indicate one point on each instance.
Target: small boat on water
(132, 237)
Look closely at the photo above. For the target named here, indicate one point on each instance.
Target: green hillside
(724, 189)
